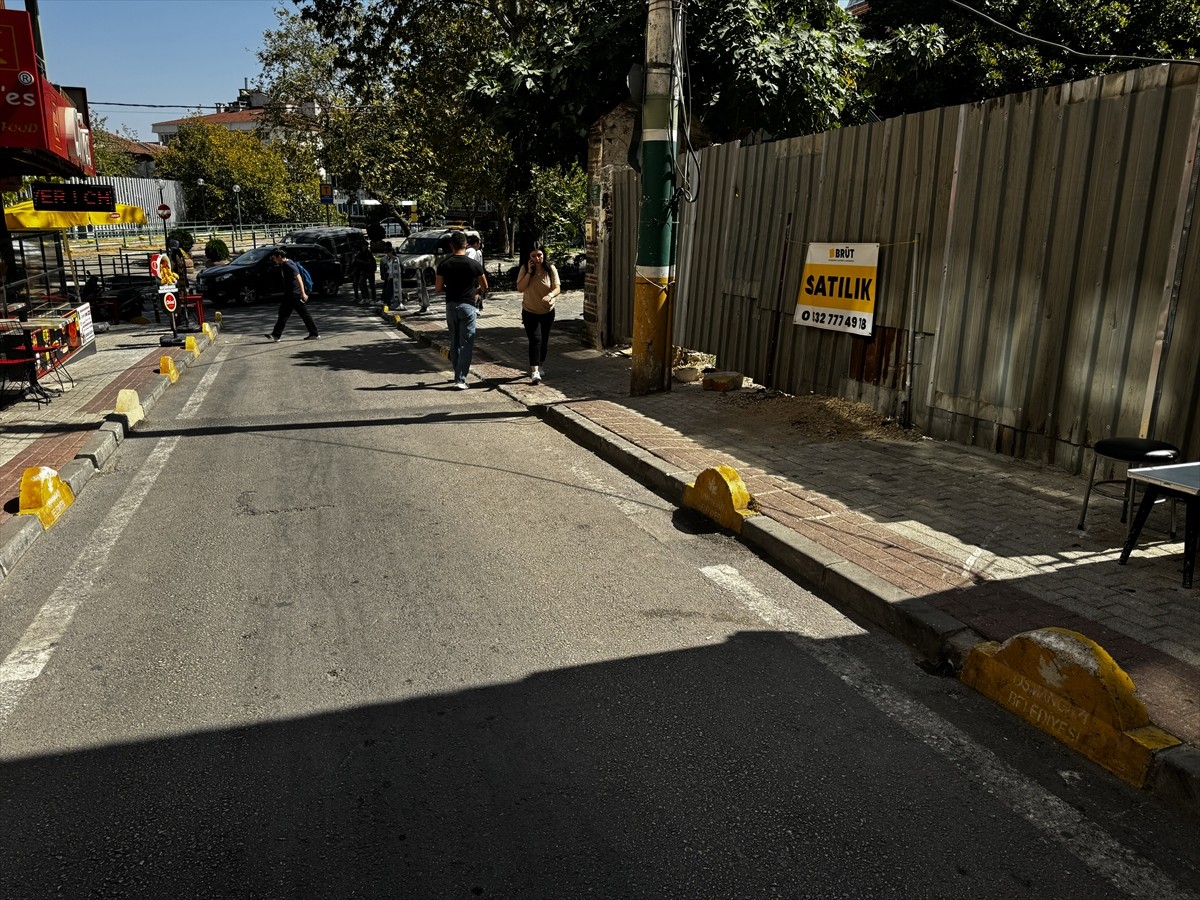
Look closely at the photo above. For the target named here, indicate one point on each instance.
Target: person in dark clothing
(181, 265)
(365, 267)
(295, 297)
(465, 284)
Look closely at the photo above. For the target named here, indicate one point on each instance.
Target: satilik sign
(838, 288)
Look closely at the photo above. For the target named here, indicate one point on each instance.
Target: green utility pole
(655, 272)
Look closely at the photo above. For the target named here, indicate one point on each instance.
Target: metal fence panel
(1047, 221)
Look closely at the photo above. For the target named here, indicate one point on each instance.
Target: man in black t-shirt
(465, 284)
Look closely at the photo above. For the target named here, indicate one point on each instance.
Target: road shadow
(731, 770)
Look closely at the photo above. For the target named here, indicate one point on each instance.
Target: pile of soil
(818, 418)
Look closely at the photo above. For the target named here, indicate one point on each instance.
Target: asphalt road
(328, 628)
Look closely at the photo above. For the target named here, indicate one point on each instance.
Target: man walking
(295, 297)
(465, 284)
(365, 267)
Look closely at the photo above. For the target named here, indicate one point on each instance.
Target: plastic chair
(1134, 452)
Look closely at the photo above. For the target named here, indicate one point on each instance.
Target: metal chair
(1133, 452)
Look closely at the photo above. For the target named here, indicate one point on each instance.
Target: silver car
(421, 253)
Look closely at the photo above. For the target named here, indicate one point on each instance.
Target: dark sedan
(253, 276)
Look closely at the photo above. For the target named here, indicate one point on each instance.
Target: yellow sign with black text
(838, 288)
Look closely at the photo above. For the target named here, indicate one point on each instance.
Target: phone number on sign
(837, 320)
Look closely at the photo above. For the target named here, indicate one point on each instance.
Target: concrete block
(77, 473)
(723, 381)
(99, 448)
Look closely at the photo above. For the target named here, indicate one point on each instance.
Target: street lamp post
(203, 199)
(237, 193)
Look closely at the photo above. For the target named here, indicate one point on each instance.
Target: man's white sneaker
(460, 385)
(536, 377)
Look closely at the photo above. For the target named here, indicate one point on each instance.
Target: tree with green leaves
(110, 152)
(983, 59)
(269, 192)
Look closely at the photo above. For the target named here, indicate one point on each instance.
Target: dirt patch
(817, 418)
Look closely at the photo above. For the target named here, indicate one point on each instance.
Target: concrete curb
(19, 533)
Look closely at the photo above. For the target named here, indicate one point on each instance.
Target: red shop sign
(21, 122)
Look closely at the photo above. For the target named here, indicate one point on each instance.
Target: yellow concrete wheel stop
(166, 366)
(220, 319)
(721, 495)
(208, 331)
(1068, 686)
(129, 405)
(189, 344)
(44, 494)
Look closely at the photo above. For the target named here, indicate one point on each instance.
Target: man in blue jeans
(465, 284)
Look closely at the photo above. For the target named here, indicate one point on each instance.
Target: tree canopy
(982, 60)
(109, 151)
(270, 191)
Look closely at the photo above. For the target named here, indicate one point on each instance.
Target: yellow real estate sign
(837, 288)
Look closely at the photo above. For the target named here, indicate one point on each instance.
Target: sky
(184, 53)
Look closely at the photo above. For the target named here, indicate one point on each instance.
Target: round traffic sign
(164, 211)
(169, 302)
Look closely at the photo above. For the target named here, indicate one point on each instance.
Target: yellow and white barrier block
(721, 495)
(1068, 686)
(44, 494)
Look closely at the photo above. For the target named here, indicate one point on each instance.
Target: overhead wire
(1107, 57)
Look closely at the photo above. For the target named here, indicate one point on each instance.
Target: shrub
(186, 239)
(215, 250)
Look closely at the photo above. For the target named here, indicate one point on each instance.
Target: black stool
(1132, 452)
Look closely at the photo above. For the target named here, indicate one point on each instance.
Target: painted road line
(27, 660)
(36, 647)
(205, 384)
(1129, 872)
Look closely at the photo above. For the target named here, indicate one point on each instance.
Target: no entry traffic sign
(164, 211)
(169, 302)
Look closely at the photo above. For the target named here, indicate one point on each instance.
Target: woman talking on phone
(539, 285)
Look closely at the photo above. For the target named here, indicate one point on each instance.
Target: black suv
(342, 242)
(255, 276)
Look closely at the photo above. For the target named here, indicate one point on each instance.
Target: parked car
(254, 276)
(342, 242)
(421, 253)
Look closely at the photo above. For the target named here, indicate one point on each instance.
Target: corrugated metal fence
(1035, 266)
(144, 192)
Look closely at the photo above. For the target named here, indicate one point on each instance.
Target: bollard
(166, 366)
(44, 494)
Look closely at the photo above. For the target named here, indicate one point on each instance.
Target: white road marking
(1107, 857)
(36, 647)
(202, 388)
(595, 483)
